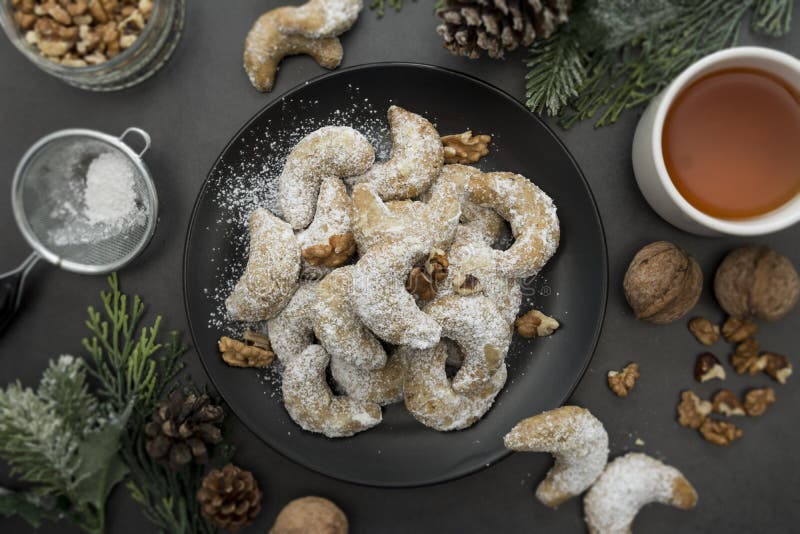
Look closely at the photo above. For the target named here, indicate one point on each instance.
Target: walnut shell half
(662, 283)
(756, 282)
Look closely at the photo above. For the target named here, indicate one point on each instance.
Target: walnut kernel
(621, 382)
(704, 330)
(254, 351)
(335, 253)
(745, 358)
(726, 402)
(756, 401)
(465, 147)
(736, 330)
(720, 433)
(536, 324)
(692, 411)
(420, 284)
(466, 284)
(778, 367)
(437, 266)
(707, 368)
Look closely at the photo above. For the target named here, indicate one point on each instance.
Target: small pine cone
(229, 498)
(182, 428)
(470, 27)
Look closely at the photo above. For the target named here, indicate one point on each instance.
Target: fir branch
(654, 50)
(133, 362)
(550, 88)
(380, 6)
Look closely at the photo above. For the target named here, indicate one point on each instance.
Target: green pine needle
(583, 72)
(380, 6)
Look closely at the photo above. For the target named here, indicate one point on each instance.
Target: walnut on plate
(536, 324)
(756, 401)
(720, 433)
(465, 148)
(254, 351)
(334, 254)
(621, 382)
(692, 411)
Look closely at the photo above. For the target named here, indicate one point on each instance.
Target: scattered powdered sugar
(246, 179)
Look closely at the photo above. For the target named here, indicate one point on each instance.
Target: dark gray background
(193, 106)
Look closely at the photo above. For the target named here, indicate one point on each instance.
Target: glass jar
(141, 60)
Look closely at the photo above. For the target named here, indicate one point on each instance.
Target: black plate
(573, 287)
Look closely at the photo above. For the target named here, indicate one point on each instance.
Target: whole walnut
(310, 514)
(756, 282)
(662, 283)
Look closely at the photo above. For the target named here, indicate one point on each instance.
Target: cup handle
(11, 285)
(142, 134)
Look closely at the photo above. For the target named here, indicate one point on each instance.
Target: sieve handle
(11, 286)
(141, 133)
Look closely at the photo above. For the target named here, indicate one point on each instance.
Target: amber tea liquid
(731, 143)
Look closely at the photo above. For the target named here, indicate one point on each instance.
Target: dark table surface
(193, 106)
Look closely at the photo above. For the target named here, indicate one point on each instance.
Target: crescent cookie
(416, 159)
(380, 298)
(629, 483)
(331, 223)
(335, 151)
(339, 330)
(429, 394)
(470, 255)
(433, 222)
(576, 439)
(291, 331)
(319, 18)
(487, 221)
(382, 386)
(272, 271)
(481, 333)
(531, 215)
(313, 406)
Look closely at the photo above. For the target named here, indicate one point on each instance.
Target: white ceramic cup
(648, 159)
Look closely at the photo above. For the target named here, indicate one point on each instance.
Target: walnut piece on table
(720, 433)
(692, 411)
(707, 368)
(726, 402)
(778, 367)
(704, 330)
(756, 401)
(621, 382)
(736, 330)
(745, 358)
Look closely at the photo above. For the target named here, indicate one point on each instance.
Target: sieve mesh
(49, 196)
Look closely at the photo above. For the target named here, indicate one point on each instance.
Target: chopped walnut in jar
(621, 382)
(720, 433)
(692, 411)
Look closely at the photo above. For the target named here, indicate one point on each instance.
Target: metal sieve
(46, 197)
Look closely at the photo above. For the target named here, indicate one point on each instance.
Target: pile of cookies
(385, 275)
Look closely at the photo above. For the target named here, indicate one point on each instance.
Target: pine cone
(181, 429)
(229, 498)
(497, 26)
